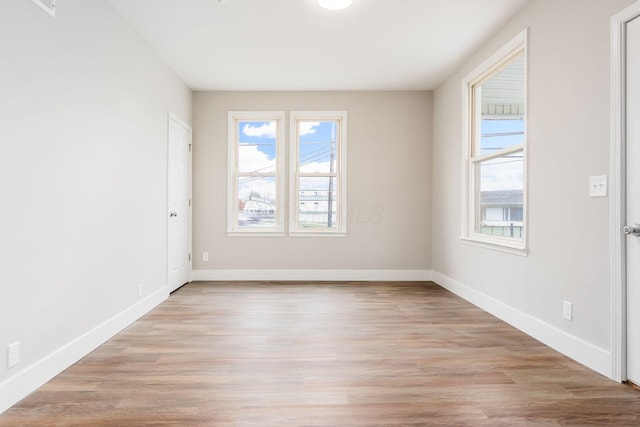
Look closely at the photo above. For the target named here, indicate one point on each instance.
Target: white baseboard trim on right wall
(576, 348)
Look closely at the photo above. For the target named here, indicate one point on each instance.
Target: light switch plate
(598, 186)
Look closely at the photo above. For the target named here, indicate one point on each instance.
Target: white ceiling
(295, 45)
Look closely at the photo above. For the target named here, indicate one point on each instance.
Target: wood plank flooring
(324, 354)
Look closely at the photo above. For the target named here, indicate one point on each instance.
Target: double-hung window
(317, 181)
(256, 173)
(495, 149)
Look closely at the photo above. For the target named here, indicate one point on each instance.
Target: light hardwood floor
(324, 354)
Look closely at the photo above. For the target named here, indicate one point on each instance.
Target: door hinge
(189, 202)
(189, 257)
(189, 147)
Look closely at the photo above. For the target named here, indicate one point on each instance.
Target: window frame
(501, 59)
(233, 172)
(49, 7)
(340, 173)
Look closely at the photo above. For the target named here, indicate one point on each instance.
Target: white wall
(83, 107)
(389, 182)
(568, 126)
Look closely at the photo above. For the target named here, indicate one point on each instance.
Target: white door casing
(179, 203)
(624, 157)
(633, 198)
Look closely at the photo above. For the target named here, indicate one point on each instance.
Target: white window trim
(232, 173)
(341, 165)
(49, 6)
(509, 245)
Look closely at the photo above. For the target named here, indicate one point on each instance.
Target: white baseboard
(311, 275)
(576, 348)
(17, 387)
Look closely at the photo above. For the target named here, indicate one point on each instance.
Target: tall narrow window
(495, 149)
(317, 202)
(256, 184)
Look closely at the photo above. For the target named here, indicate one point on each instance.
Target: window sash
(247, 224)
(336, 226)
(475, 211)
(477, 218)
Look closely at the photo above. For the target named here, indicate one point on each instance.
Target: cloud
(267, 129)
(317, 167)
(251, 159)
(308, 128)
(502, 174)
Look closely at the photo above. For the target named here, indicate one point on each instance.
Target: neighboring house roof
(501, 197)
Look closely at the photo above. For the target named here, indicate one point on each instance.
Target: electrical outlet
(205, 256)
(13, 354)
(567, 310)
(140, 289)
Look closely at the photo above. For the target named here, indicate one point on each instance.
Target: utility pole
(330, 192)
(331, 170)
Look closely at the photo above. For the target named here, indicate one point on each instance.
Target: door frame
(171, 116)
(618, 191)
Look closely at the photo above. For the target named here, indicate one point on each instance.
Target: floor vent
(48, 5)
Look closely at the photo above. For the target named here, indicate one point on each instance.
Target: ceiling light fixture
(334, 4)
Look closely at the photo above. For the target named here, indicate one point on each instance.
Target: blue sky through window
(316, 146)
(497, 134)
(257, 154)
(257, 141)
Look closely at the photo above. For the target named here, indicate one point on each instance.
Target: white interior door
(633, 199)
(179, 203)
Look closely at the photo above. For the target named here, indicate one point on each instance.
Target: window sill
(497, 244)
(255, 233)
(317, 234)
